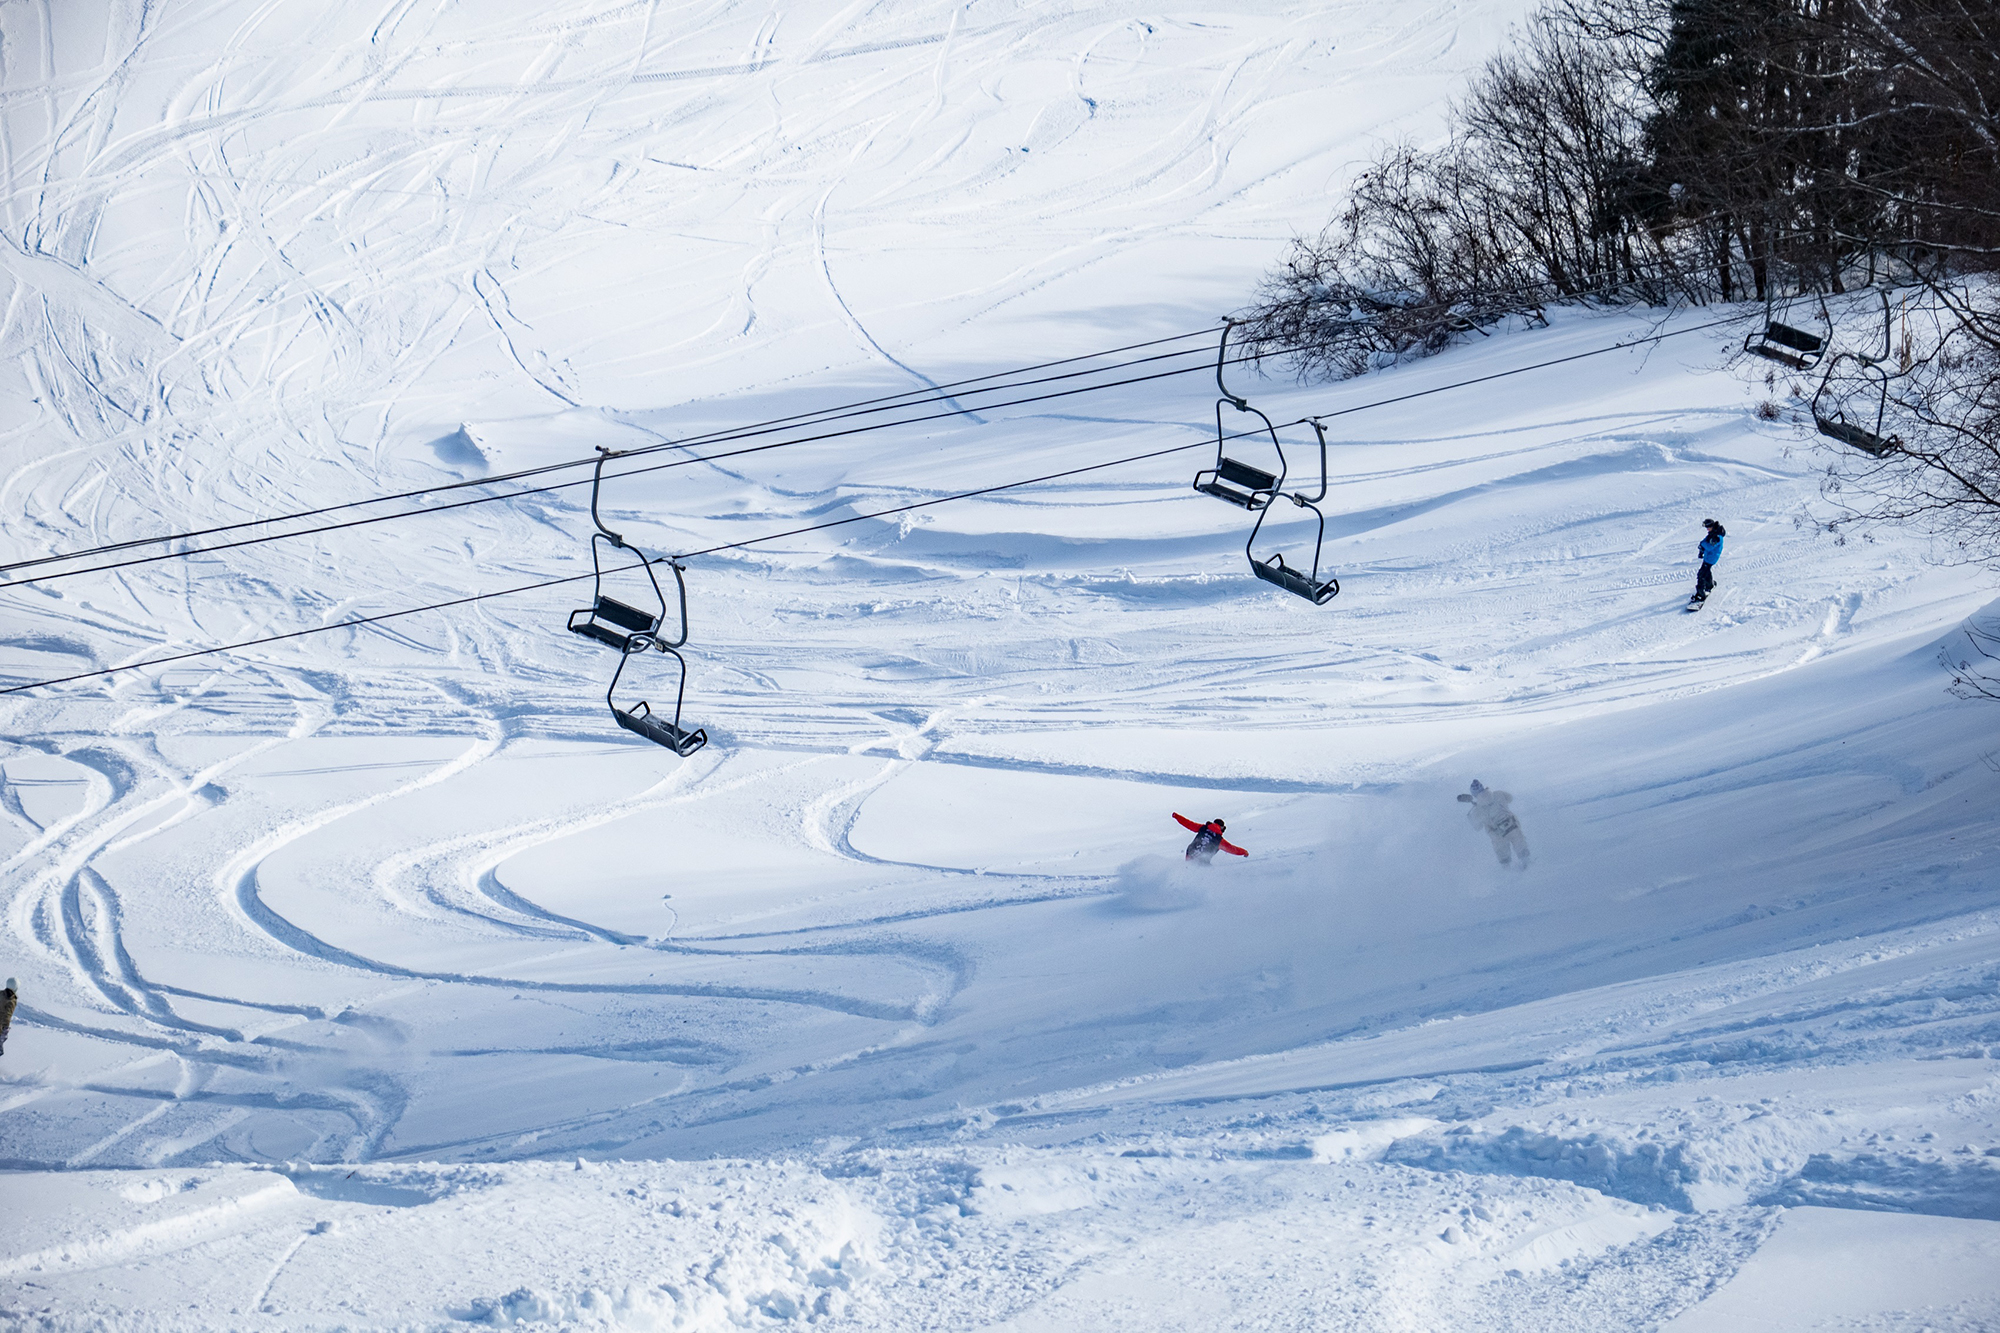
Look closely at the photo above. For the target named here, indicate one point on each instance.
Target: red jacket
(1193, 827)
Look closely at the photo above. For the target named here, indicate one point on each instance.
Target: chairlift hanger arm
(1887, 323)
(680, 583)
(1319, 429)
(604, 455)
(1221, 353)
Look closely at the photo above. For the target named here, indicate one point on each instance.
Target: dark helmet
(1219, 825)
(1477, 786)
(1710, 523)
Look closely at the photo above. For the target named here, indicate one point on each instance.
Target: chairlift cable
(780, 444)
(886, 402)
(1203, 444)
(360, 621)
(1521, 370)
(585, 481)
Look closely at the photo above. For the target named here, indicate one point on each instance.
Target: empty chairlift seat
(1242, 484)
(640, 719)
(1867, 383)
(1786, 345)
(1857, 437)
(1238, 483)
(1844, 414)
(607, 620)
(1276, 571)
(611, 622)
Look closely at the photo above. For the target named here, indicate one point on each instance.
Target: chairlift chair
(1241, 484)
(1830, 413)
(1786, 344)
(608, 620)
(1275, 570)
(1831, 416)
(640, 719)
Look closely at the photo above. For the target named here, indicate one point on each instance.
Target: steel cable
(855, 518)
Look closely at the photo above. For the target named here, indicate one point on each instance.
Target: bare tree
(1977, 676)
(1531, 200)
(1938, 400)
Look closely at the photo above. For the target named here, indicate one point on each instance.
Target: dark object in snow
(6, 1013)
(1256, 489)
(1208, 840)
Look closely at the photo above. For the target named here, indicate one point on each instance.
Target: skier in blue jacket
(1710, 551)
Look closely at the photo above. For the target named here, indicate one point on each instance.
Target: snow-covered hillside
(376, 979)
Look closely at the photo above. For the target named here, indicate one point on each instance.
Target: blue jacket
(1711, 550)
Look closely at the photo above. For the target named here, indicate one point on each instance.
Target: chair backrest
(1242, 474)
(1796, 339)
(631, 617)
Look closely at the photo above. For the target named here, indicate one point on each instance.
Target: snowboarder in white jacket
(1489, 813)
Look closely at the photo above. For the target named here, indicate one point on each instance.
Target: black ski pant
(1704, 580)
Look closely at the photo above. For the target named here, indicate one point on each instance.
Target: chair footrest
(591, 629)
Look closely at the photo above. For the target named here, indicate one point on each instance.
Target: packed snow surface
(375, 979)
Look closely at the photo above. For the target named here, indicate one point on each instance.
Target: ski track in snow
(892, 1004)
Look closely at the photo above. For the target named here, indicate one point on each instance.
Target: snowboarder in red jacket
(1208, 840)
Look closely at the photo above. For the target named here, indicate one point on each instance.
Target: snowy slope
(374, 979)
